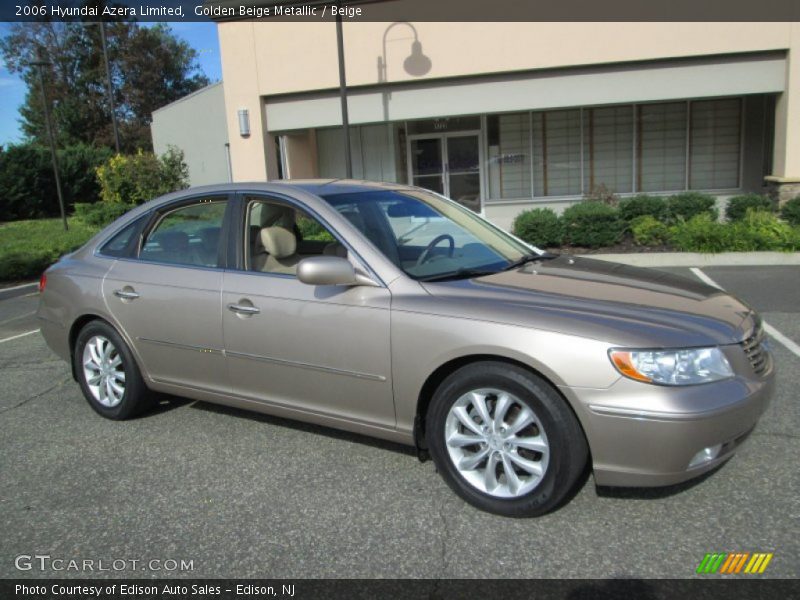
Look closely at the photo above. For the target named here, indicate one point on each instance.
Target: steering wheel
(426, 254)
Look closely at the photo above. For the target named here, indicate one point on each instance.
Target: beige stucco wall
(239, 61)
(787, 116)
(270, 58)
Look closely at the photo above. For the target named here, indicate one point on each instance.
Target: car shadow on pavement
(655, 493)
(164, 403)
(305, 427)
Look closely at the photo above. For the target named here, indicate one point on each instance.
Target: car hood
(602, 300)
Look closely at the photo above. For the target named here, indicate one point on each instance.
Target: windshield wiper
(530, 258)
(460, 274)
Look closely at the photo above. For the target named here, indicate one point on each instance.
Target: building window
(372, 149)
(557, 153)
(608, 148)
(714, 144)
(509, 143)
(661, 147)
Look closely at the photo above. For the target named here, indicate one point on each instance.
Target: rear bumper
(642, 435)
(55, 336)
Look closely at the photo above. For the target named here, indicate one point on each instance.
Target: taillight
(42, 282)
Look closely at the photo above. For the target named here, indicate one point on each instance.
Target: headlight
(672, 367)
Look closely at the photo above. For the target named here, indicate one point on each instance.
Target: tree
(150, 68)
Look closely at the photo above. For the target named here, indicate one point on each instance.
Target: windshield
(427, 236)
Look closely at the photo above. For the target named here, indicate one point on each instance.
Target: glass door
(449, 164)
(426, 162)
(463, 169)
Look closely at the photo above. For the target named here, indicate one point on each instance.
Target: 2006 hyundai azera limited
(394, 312)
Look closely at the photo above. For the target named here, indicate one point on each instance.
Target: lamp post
(348, 161)
(40, 65)
(109, 86)
(416, 64)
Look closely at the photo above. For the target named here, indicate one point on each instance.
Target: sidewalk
(696, 259)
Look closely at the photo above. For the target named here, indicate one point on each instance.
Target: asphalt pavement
(244, 495)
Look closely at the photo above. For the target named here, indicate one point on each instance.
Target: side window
(278, 236)
(189, 235)
(118, 245)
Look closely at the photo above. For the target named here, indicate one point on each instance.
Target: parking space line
(18, 317)
(14, 337)
(18, 287)
(789, 344)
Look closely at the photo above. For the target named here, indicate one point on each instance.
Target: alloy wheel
(497, 443)
(103, 371)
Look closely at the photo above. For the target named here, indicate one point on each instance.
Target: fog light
(705, 455)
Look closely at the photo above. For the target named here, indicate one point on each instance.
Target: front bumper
(643, 435)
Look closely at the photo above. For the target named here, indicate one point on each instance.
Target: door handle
(126, 294)
(243, 309)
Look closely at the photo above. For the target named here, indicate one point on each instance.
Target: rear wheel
(107, 373)
(505, 440)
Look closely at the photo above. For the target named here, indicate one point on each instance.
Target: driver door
(315, 349)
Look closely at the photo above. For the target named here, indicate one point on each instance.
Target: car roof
(318, 187)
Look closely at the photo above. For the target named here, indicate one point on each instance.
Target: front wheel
(504, 439)
(107, 373)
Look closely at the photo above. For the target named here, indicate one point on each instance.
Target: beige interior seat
(279, 251)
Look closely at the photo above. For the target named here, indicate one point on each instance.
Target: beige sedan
(393, 312)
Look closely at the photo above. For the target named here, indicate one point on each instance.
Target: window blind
(557, 153)
(661, 147)
(608, 148)
(514, 157)
(714, 143)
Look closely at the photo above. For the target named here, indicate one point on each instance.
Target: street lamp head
(417, 64)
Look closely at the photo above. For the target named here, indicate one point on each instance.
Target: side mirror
(330, 270)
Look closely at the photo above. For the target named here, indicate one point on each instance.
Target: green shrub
(28, 247)
(760, 230)
(703, 233)
(540, 227)
(100, 214)
(27, 183)
(684, 206)
(592, 225)
(649, 231)
(643, 205)
(790, 212)
(137, 178)
(739, 205)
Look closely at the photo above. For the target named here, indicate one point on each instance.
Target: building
(196, 124)
(508, 116)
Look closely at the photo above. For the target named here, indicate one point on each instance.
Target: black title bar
(401, 10)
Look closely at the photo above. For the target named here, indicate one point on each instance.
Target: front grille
(756, 352)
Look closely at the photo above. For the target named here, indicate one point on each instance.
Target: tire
(120, 367)
(551, 446)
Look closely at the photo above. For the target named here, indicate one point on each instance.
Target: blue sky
(201, 36)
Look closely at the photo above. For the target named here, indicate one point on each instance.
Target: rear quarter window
(119, 245)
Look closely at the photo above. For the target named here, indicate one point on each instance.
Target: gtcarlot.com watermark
(57, 564)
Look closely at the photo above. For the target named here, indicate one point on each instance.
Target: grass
(28, 247)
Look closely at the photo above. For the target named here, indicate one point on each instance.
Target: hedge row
(27, 183)
(88, 174)
(686, 221)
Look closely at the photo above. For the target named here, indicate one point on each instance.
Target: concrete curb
(696, 259)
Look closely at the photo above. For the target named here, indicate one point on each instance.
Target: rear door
(167, 296)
